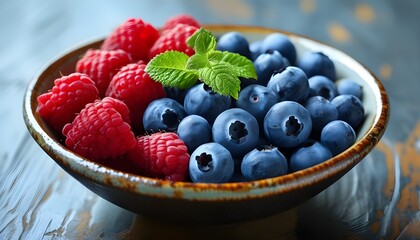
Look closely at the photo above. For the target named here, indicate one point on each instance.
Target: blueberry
(163, 114)
(281, 43)
(309, 154)
(338, 136)
(237, 130)
(264, 162)
(257, 100)
(255, 48)
(194, 130)
(349, 86)
(350, 109)
(290, 84)
(322, 112)
(266, 64)
(211, 163)
(322, 86)
(287, 124)
(176, 93)
(234, 42)
(317, 63)
(201, 100)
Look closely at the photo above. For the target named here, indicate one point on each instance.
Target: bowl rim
(104, 175)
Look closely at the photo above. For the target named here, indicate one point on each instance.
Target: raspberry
(67, 97)
(101, 130)
(161, 155)
(175, 39)
(101, 66)
(134, 87)
(179, 19)
(134, 36)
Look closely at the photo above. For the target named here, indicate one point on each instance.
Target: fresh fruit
(174, 39)
(66, 99)
(350, 109)
(264, 162)
(309, 154)
(322, 86)
(161, 155)
(317, 63)
(266, 64)
(101, 130)
(234, 42)
(338, 136)
(134, 36)
(350, 87)
(136, 89)
(163, 114)
(194, 130)
(257, 100)
(255, 49)
(287, 124)
(281, 43)
(237, 130)
(203, 101)
(186, 19)
(322, 112)
(290, 84)
(211, 163)
(102, 65)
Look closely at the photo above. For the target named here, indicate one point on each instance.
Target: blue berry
(290, 84)
(234, 42)
(322, 86)
(211, 163)
(201, 100)
(322, 112)
(255, 48)
(264, 162)
(338, 136)
(163, 114)
(350, 109)
(317, 63)
(281, 43)
(349, 86)
(176, 93)
(309, 154)
(257, 100)
(194, 130)
(287, 124)
(266, 64)
(237, 130)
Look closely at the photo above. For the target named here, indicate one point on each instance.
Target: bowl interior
(299, 185)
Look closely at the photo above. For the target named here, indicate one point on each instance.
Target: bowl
(200, 203)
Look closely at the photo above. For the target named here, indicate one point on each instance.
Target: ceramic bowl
(200, 203)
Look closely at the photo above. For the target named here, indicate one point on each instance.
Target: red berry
(101, 66)
(161, 155)
(179, 19)
(134, 36)
(174, 39)
(64, 101)
(101, 130)
(136, 89)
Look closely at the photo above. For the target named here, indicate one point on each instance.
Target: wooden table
(379, 198)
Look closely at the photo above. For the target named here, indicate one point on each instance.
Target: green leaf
(202, 41)
(221, 78)
(241, 65)
(169, 68)
(197, 61)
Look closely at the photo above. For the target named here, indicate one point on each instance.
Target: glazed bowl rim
(103, 175)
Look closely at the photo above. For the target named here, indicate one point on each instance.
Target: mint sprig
(220, 70)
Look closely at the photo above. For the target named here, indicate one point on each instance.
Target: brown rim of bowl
(130, 182)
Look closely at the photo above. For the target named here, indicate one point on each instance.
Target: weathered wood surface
(379, 198)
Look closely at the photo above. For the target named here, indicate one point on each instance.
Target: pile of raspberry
(96, 109)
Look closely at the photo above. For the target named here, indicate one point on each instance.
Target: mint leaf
(202, 41)
(169, 68)
(241, 65)
(197, 61)
(221, 78)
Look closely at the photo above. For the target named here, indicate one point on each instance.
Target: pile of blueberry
(296, 115)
